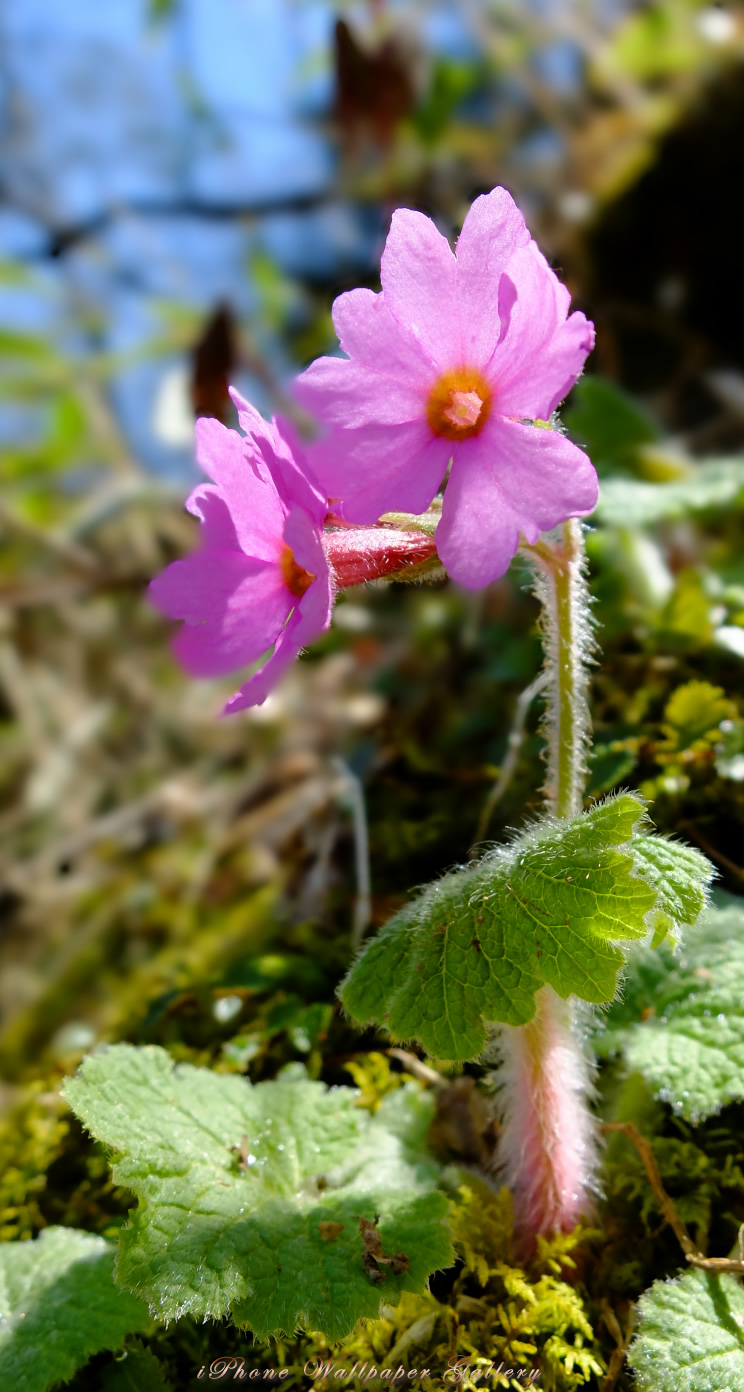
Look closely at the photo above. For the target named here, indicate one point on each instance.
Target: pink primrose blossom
(261, 577)
(448, 362)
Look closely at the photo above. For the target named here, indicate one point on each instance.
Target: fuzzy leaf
(691, 1335)
(477, 945)
(256, 1239)
(679, 875)
(59, 1306)
(690, 1045)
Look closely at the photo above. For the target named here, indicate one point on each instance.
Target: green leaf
(690, 1046)
(137, 1371)
(712, 487)
(59, 1306)
(608, 423)
(694, 713)
(678, 874)
(610, 764)
(477, 945)
(687, 615)
(216, 1233)
(691, 1336)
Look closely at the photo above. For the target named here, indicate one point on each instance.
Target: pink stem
(548, 1145)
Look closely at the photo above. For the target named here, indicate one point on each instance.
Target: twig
(617, 1357)
(415, 1066)
(513, 746)
(718, 1265)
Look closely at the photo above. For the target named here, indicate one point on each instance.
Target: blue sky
(107, 117)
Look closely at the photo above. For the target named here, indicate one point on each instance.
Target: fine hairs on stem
(568, 643)
(548, 1146)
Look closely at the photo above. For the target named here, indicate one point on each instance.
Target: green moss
(31, 1137)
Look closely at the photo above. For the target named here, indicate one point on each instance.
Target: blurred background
(185, 186)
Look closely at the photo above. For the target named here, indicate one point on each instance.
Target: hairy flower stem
(566, 631)
(548, 1142)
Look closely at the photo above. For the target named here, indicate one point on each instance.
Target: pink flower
(261, 577)
(445, 363)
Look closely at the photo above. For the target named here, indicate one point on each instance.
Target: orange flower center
(296, 578)
(459, 404)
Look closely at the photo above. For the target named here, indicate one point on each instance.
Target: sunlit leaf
(549, 909)
(251, 1197)
(691, 1336)
(59, 1306)
(682, 1023)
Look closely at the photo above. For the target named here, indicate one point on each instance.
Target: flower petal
(368, 332)
(246, 486)
(513, 478)
(303, 538)
(381, 468)
(491, 233)
(543, 475)
(290, 470)
(256, 427)
(278, 456)
(260, 685)
(308, 620)
(542, 352)
(419, 281)
(234, 608)
(479, 532)
(218, 525)
(306, 544)
(351, 394)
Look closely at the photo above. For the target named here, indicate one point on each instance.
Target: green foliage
(686, 621)
(661, 40)
(695, 1178)
(59, 1306)
(374, 1078)
(608, 424)
(530, 1316)
(477, 945)
(30, 1138)
(678, 875)
(714, 486)
(691, 1336)
(451, 82)
(693, 716)
(498, 1315)
(682, 1025)
(251, 1197)
(137, 1371)
(481, 1224)
(610, 764)
(137, 828)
